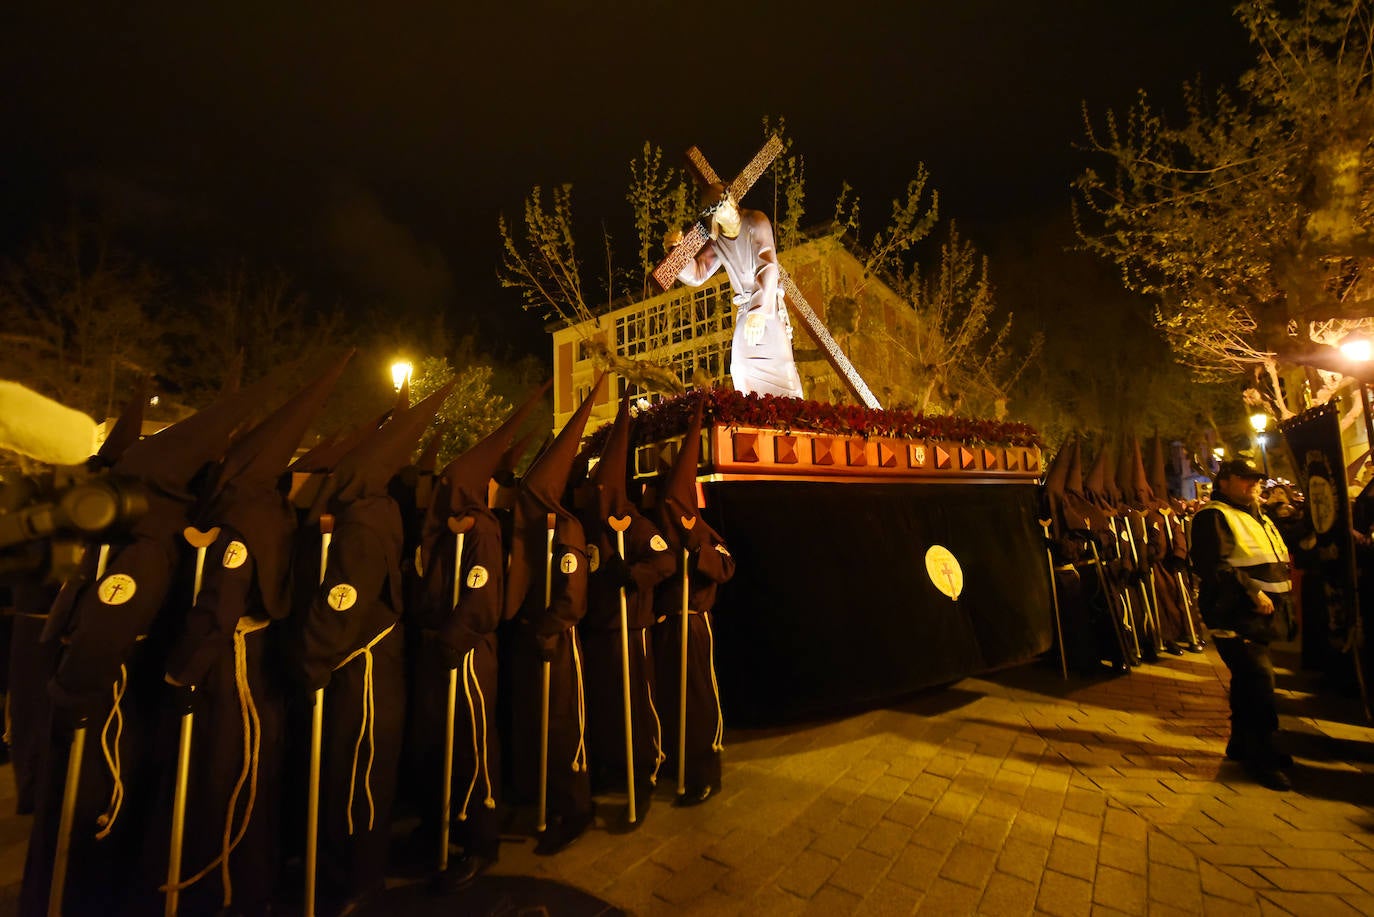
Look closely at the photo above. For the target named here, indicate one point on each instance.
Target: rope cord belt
(365, 729)
(252, 743)
(479, 752)
(659, 755)
(106, 820)
(579, 761)
(718, 742)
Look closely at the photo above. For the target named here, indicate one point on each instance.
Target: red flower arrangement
(729, 408)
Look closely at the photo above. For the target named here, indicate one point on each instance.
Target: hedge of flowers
(729, 408)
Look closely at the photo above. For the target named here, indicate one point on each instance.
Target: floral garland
(729, 408)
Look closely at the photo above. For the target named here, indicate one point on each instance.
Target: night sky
(367, 148)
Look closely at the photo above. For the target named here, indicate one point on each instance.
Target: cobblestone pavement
(1012, 793)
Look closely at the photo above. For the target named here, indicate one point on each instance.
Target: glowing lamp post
(1260, 421)
(1357, 348)
(400, 373)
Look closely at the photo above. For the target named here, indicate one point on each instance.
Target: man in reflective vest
(1244, 596)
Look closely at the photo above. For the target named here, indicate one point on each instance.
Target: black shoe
(560, 833)
(1173, 649)
(1271, 778)
(695, 796)
(1268, 758)
(461, 873)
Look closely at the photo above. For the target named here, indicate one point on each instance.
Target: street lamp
(1260, 421)
(400, 373)
(1357, 348)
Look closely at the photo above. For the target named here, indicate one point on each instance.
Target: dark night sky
(368, 148)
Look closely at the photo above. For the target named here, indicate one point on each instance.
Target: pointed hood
(429, 457)
(246, 499)
(1159, 480)
(1052, 490)
(1073, 471)
(541, 493)
(1057, 475)
(170, 459)
(465, 478)
(1131, 476)
(463, 483)
(127, 428)
(608, 478)
(258, 457)
(366, 470)
(1095, 486)
(677, 498)
(510, 460)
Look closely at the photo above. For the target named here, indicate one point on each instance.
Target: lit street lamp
(1260, 421)
(400, 373)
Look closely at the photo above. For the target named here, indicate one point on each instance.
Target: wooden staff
(619, 524)
(458, 527)
(1107, 597)
(552, 521)
(201, 541)
(58, 887)
(688, 523)
(312, 793)
(1054, 595)
(1184, 597)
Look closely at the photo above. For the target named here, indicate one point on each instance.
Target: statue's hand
(753, 328)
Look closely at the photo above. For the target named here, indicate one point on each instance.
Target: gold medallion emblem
(658, 544)
(568, 563)
(117, 588)
(342, 597)
(477, 577)
(235, 554)
(944, 571)
(593, 558)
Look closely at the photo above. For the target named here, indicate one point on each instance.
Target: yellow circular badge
(235, 554)
(944, 571)
(477, 577)
(658, 544)
(116, 589)
(568, 563)
(342, 597)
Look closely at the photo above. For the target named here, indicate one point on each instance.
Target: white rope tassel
(252, 745)
(106, 820)
(365, 730)
(579, 762)
(659, 755)
(472, 720)
(489, 801)
(718, 743)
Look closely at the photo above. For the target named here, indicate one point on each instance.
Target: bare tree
(1250, 219)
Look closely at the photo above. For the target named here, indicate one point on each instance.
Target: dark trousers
(1254, 715)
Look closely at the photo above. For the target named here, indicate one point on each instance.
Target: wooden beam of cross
(693, 241)
(696, 238)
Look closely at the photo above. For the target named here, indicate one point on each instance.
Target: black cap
(1238, 468)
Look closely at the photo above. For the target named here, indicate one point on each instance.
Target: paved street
(1013, 793)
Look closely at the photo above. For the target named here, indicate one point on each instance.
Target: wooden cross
(696, 238)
